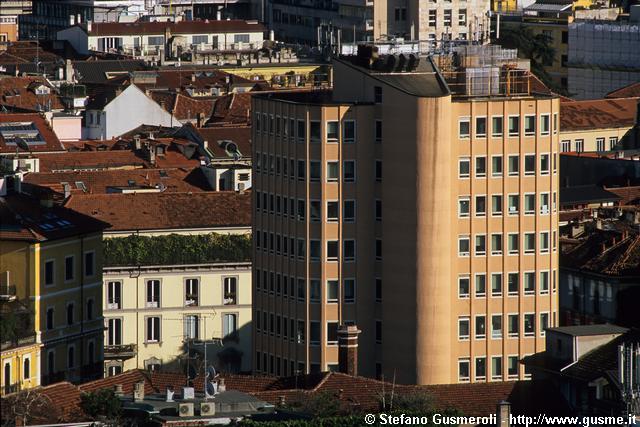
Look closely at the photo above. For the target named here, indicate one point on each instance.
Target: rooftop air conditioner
(185, 410)
(207, 409)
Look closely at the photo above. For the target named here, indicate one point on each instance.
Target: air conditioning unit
(207, 409)
(185, 410)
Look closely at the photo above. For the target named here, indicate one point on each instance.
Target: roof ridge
(327, 375)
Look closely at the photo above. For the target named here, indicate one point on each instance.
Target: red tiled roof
(629, 195)
(15, 95)
(52, 143)
(183, 107)
(241, 135)
(629, 91)
(21, 52)
(73, 160)
(182, 27)
(231, 109)
(100, 182)
(598, 114)
(162, 211)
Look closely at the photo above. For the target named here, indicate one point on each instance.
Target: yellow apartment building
(598, 125)
(51, 264)
(161, 310)
(415, 202)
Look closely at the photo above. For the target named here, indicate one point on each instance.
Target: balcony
(7, 293)
(18, 342)
(119, 352)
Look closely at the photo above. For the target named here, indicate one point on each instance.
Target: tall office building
(416, 201)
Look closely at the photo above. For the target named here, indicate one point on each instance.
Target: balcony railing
(7, 292)
(4, 345)
(121, 351)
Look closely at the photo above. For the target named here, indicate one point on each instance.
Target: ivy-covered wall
(176, 249)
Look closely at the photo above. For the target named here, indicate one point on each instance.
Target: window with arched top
(26, 369)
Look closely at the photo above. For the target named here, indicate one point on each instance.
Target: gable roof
(16, 95)
(598, 114)
(99, 29)
(79, 160)
(240, 135)
(166, 211)
(632, 90)
(584, 194)
(33, 121)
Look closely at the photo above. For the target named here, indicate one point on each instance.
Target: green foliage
(176, 249)
(417, 402)
(101, 404)
(8, 326)
(324, 404)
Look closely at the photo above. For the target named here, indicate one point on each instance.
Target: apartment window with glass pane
(481, 205)
(481, 368)
(529, 204)
(68, 268)
(153, 293)
(496, 126)
(544, 203)
(514, 125)
(481, 167)
(514, 204)
(544, 242)
(513, 243)
(496, 244)
(378, 169)
(529, 324)
(529, 283)
(481, 245)
(229, 324)
(529, 125)
(314, 131)
(613, 141)
(114, 332)
(191, 327)
(496, 166)
(332, 211)
(565, 146)
(464, 168)
(464, 124)
(378, 131)
(579, 145)
(332, 250)
(463, 246)
(348, 131)
(545, 165)
(496, 326)
(463, 207)
(332, 131)
(513, 325)
(447, 17)
(332, 171)
(496, 368)
(530, 164)
(496, 284)
(513, 280)
(191, 292)
(314, 290)
(464, 328)
(333, 291)
(314, 171)
(349, 171)
(481, 127)
(463, 370)
(349, 212)
(349, 290)
(529, 243)
(544, 323)
(544, 124)
(349, 250)
(544, 282)
(230, 289)
(496, 205)
(512, 362)
(462, 17)
(378, 210)
(153, 329)
(314, 211)
(433, 20)
(481, 285)
(114, 295)
(314, 249)
(481, 327)
(463, 286)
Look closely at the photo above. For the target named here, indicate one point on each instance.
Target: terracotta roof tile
(241, 135)
(632, 90)
(52, 143)
(598, 114)
(231, 109)
(161, 211)
(15, 95)
(182, 27)
(69, 161)
(629, 195)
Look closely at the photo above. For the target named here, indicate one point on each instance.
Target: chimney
(118, 390)
(67, 190)
(193, 77)
(221, 385)
(504, 414)
(68, 71)
(136, 141)
(348, 349)
(138, 391)
(88, 26)
(72, 20)
(218, 15)
(170, 394)
(200, 120)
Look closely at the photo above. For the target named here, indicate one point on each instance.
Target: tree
(322, 404)
(30, 407)
(102, 405)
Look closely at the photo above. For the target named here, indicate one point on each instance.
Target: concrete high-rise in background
(417, 201)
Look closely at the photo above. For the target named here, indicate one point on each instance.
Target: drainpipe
(82, 267)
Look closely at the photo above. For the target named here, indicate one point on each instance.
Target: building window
(545, 164)
(529, 203)
(513, 243)
(49, 272)
(315, 171)
(529, 125)
(514, 165)
(191, 292)
(544, 242)
(463, 246)
(496, 368)
(496, 326)
(481, 206)
(463, 370)
(348, 131)
(349, 171)
(480, 245)
(496, 126)
(513, 325)
(600, 144)
(378, 249)
(544, 282)
(349, 250)
(565, 146)
(378, 210)
(68, 268)
(378, 131)
(432, 18)
(462, 17)
(89, 264)
(50, 323)
(315, 213)
(530, 164)
(26, 369)
(544, 203)
(496, 284)
(378, 169)
(114, 332)
(512, 366)
(191, 327)
(333, 209)
(481, 327)
(514, 126)
(230, 290)
(496, 205)
(241, 38)
(90, 305)
(314, 290)
(332, 250)
(464, 125)
(481, 167)
(153, 293)
(464, 167)
(613, 142)
(464, 205)
(481, 285)
(447, 17)
(378, 331)
(496, 166)
(229, 324)
(153, 329)
(481, 368)
(529, 243)
(70, 310)
(529, 324)
(514, 204)
(333, 131)
(332, 333)
(314, 250)
(544, 124)
(463, 287)
(579, 145)
(378, 289)
(464, 328)
(544, 323)
(529, 283)
(155, 40)
(349, 291)
(377, 94)
(71, 357)
(314, 131)
(333, 291)
(481, 127)
(114, 292)
(349, 212)
(513, 280)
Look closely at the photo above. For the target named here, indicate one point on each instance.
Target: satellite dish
(211, 373)
(21, 143)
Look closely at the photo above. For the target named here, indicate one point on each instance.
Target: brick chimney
(348, 349)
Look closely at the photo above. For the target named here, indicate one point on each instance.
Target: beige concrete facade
(429, 311)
